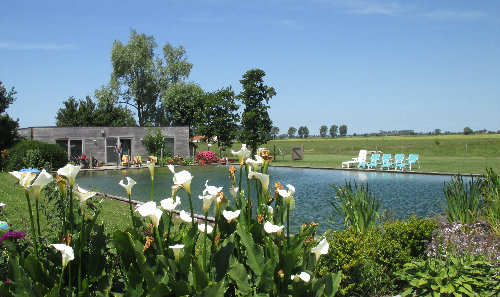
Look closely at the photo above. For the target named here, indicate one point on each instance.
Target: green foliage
(184, 105)
(255, 121)
(357, 206)
(303, 132)
(36, 154)
(453, 276)
(491, 191)
(8, 126)
(468, 131)
(343, 130)
(220, 117)
(88, 113)
(333, 130)
(154, 142)
(275, 131)
(462, 200)
(368, 261)
(291, 132)
(323, 130)
(413, 233)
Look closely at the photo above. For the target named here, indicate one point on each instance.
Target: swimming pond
(401, 194)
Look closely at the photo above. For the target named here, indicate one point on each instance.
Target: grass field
(443, 153)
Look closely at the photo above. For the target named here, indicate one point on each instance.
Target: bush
(206, 157)
(368, 261)
(36, 154)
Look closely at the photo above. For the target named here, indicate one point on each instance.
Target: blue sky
(371, 65)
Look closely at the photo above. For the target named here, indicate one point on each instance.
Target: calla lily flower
(230, 215)
(169, 204)
(151, 167)
(61, 184)
(207, 202)
(177, 250)
(270, 210)
(243, 153)
(171, 168)
(42, 180)
(128, 186)
(25, 178)
(270, 228)
(70, 172)
(183, 178)
(185, 217)
(255, 163)
(211, 190)
(234, 192)
(264, 179)
(321, 248)
(201, 227)
(2, 204)
(150, 210)
(83, 195)
(306, 277)
(287, 194)
(66, 251)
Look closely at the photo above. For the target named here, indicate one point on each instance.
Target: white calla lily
(128, 186)
(183, 178)
(201, 227)
(207, 202)
(177, 250)
(169, 204)
(41, 181)
(270, 228)
(150, 210)
(321, 248)
(243, 153)
(151, 167)
(264, 179)
(69, 171)
(66, 251)
(234, 192)
(231, 215)
(306, 277)
(25, 178)
(185, 217)
(287, 194)
(83, 195)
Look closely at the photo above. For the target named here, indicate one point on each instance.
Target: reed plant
(463, 200)
(357, 206)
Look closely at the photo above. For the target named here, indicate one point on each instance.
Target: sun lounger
(374, 161)
(412, 159)
(361, 158)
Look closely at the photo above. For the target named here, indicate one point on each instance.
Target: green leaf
(328, 285)
(215, 289)
(21, 284)
(223, 257)
(159, 291)
(239, 275)
(181, 288)
(200, 277)
(254, 253)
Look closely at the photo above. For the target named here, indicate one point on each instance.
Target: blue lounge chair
(374, 161)
(386, 161)
(398, 159)
(412, 159)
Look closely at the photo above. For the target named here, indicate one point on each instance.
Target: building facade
(100, 142)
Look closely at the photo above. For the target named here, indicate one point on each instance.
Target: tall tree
(468, 130)
(303, 132)
(134, 69)
(291, 132)
(343, 130)
(8, 126)
(220, 117)
(274, 132)
(333, 130)
(255, 119)
(184, 105)
(177, 68)
(323, 130)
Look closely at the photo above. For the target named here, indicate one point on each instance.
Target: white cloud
(34, 46)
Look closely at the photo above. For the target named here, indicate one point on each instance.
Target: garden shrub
(36, 154)
(206, 157)
(414, 233)
(368, 261)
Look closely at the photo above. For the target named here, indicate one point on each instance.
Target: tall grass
(357, 206)
(462, 200)
(491, 192)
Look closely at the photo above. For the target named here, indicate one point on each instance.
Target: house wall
(94, 138)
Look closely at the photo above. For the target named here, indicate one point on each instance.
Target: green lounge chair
(412, 159)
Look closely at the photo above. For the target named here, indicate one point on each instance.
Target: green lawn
(443, 153)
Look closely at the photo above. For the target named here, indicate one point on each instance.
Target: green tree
(303, 132)
(184, 104)
(135, 71)
(437, 131)
(108, 112)
(323, 130)
(275, 131)
(291, 132)
(343, 130)
(177, 68)
(154, 142)
(220, 118)
(468, 130)
(255, 119)
(8, 126)
(333, 130)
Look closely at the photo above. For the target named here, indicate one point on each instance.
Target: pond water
(401, 194)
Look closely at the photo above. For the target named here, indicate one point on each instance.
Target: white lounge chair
(361, 158)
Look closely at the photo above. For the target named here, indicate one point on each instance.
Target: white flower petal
(201, 227)
(231, 215)
(270, 228)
